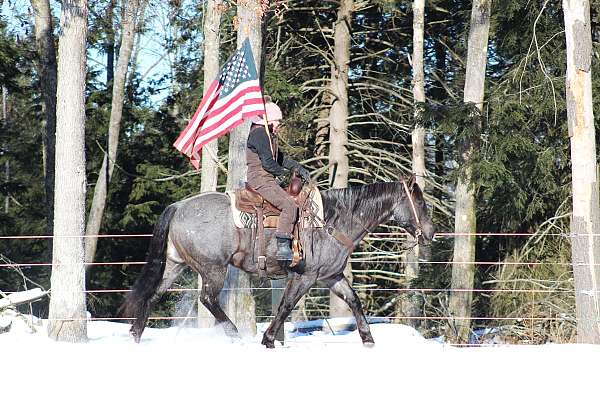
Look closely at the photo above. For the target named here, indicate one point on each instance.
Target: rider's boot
(284, 248)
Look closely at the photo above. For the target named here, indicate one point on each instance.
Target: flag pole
(267, 125)
(266, 119)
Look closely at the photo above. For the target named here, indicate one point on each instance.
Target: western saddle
(267, 216)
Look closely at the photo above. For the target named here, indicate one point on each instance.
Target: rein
(333, 232)
(419, 230)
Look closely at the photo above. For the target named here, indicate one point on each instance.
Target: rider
(266, 162)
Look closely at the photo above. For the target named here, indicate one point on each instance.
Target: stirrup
(284, 250)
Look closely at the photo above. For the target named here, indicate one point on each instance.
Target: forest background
(522, 167)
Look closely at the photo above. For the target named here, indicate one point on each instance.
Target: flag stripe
(232, 111)
(210, 95)
(230, 121)
(252, 95)
(243, 87)
(186, 135)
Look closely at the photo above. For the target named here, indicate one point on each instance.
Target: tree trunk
(7, 180)
(44, 38)
(438, 94)
(109, 46)
(210, 151)
(133, 10)
(338, 124)
(7, 162)
(238, 301)
(410, 304)
(67, 315)
(585, 222)
(323, 126)
(463, 270)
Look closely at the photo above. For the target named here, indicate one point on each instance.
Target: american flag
(234, 96)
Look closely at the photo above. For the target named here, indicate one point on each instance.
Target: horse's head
(411, 212)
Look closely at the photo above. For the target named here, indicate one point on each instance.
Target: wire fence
(358, 257)
(372, 234)
(352, 260)
(381, 257)
(356, 288)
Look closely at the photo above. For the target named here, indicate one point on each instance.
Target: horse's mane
(366, 202)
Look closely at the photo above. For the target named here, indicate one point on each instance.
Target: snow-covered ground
(188, 363)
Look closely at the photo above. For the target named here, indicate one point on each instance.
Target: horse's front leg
(341, 288)
(294, 290)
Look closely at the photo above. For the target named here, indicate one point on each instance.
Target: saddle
(249, 201)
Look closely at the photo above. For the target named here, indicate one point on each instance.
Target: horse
(199, 232)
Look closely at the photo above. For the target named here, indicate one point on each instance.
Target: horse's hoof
(234, 336)
(136, 337)
(268, 343)
(369, 344)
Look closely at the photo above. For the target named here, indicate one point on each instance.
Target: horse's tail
(137, 302)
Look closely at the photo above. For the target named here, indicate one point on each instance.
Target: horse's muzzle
(427, 235)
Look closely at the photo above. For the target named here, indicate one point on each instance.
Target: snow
(180, 363)
(22, 297)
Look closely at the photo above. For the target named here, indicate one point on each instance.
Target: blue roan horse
(199, 232)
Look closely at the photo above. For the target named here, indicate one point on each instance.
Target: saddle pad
(314, 203)
(241, 219)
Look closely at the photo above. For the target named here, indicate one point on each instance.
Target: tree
(44, 38)
(133, 11)
(338, 124)
(239, 303)
(410, 304)
(211, 41)
(585, 221)
(67, 304)
(210, 151)
(109, 46)
(418, 135)
(463, 270)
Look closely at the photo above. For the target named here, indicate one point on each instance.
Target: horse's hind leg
(172, 271)
(341, 288)
(295, 289)
(213, 279)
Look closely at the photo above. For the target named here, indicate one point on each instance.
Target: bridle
(419, 228)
